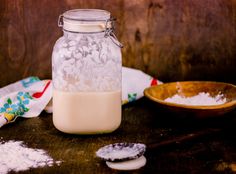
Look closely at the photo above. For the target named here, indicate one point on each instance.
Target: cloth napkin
(25, 98)
(29, 97)
(134, 82)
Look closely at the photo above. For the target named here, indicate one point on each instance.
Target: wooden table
(175, 145)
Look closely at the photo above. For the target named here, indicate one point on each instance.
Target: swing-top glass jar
(86, 63)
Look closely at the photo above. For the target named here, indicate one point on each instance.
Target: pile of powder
(202, 99)
(15, 156)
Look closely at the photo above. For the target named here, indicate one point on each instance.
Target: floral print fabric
(19, 107)
(16, 100)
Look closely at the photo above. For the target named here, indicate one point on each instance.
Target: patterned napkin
(25, 98)
(30, 96)
(133, 84)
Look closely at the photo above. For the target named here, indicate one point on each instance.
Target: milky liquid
(86, 112)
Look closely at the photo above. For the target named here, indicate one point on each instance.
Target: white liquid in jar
(86, 112)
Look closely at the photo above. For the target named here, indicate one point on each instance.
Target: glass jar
(86, 67)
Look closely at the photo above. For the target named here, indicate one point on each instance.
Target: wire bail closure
(109, 32)
(60, 21)
(109, 29)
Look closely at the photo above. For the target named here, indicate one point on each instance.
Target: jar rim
(89, 21)
(85, 20)
(87, 15)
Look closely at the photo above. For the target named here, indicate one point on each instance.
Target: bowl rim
(197, 107)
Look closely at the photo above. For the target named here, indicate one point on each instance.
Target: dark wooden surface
(175, 145)
(171, 40)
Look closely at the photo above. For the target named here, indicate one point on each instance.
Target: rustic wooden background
(169, 39)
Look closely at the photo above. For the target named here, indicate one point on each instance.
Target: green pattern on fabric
(132, 97)
(19, 107)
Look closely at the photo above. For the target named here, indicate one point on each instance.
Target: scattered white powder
(202, 98)
(15, 156)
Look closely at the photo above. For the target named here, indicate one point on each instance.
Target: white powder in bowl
(15, 156)
(203, 99)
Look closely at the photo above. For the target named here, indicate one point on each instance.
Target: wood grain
(171, 40)
(174, 145)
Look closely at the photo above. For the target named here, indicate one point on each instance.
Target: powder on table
(202, 98)
(15, 156)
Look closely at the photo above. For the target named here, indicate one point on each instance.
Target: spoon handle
(39, 94)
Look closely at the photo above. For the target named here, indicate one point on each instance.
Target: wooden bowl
(191, 88)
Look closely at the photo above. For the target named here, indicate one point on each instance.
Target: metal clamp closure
(109, 32)
(60, 21)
